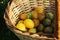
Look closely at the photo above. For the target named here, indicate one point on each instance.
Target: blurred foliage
(5, 33)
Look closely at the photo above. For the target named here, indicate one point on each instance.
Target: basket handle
(6, 17)
(7, 20)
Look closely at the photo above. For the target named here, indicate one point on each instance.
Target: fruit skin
(29, 16)
(50, 15)
(29, 23)
(21, 21)
(39, 9)
(36, 22)
(49, 30)
(33, 30)
(40, 27)
(23, 16)
(47, 22)
(21, 26)
(41, 16)
(34, 14)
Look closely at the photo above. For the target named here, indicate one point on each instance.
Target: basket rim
(10, 23)
(19, 32)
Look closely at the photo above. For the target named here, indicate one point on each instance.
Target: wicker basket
(16, 7)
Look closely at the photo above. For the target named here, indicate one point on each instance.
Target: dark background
(5, 33)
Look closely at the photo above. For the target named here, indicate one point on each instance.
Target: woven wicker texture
(26, 6)
(19, 6)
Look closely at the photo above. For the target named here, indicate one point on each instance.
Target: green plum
(47, 22)
(33, 30)
(49, 30)
(50, 15)
(40, 27)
